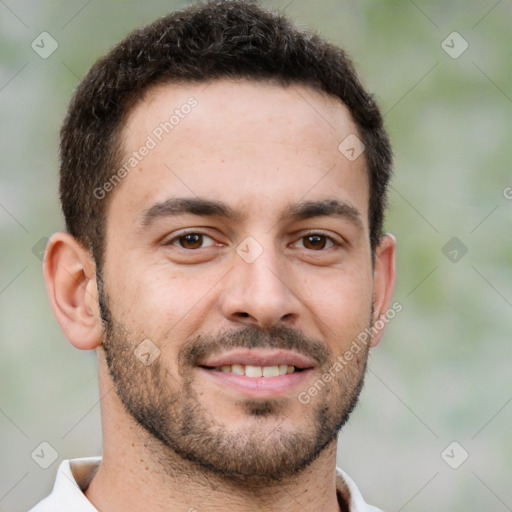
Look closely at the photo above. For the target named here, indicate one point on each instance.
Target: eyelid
(336, 242)
(176, 236)
(180, 234)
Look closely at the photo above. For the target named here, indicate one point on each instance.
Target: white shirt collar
(74, 476)
(67, 494)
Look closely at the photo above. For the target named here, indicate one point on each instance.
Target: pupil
(192, 241)
(317, 241)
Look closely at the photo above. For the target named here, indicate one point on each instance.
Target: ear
(70, 275)
(383, 280)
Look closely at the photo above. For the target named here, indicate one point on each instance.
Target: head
(207, 42)
(217, 225)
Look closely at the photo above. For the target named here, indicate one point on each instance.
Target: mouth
(254, 372)
(258, 373)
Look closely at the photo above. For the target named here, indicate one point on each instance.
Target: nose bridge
(259, 291)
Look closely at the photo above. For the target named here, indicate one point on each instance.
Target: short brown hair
(217, 39)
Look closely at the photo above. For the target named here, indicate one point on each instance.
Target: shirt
(75, 475)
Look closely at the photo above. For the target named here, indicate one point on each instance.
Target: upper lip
(259, 357)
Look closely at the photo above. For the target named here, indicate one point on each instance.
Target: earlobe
(383, 280)
(70, 275)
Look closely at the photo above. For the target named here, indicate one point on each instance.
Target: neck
(138, 472)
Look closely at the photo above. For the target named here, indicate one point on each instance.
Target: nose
(261, 293)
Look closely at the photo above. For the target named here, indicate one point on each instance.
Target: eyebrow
(184, 205)
(212, 208)
(323, 208)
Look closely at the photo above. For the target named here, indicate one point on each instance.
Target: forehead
(224, 106)
(249, 144)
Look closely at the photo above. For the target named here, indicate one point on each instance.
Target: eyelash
(334, 242)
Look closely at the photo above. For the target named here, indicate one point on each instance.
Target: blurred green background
(443, 371)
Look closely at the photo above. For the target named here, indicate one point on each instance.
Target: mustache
(198, 348)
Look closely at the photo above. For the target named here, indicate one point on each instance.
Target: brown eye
(317, 242)
(191, 241)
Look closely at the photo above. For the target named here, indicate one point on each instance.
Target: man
(223, 181)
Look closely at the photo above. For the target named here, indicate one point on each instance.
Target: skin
(259, 148)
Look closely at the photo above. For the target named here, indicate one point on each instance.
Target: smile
(250, 370)
(258, 373)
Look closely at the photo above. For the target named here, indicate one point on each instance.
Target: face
(237, 274)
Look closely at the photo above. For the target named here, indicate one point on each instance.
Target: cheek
(165, 304)
(341, 303)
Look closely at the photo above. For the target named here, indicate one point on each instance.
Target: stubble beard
(167, 407)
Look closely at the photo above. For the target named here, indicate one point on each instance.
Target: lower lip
(259, 387)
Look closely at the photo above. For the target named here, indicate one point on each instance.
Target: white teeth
(253, 371)
(270, 371)
(250, 370)
(238, 369)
